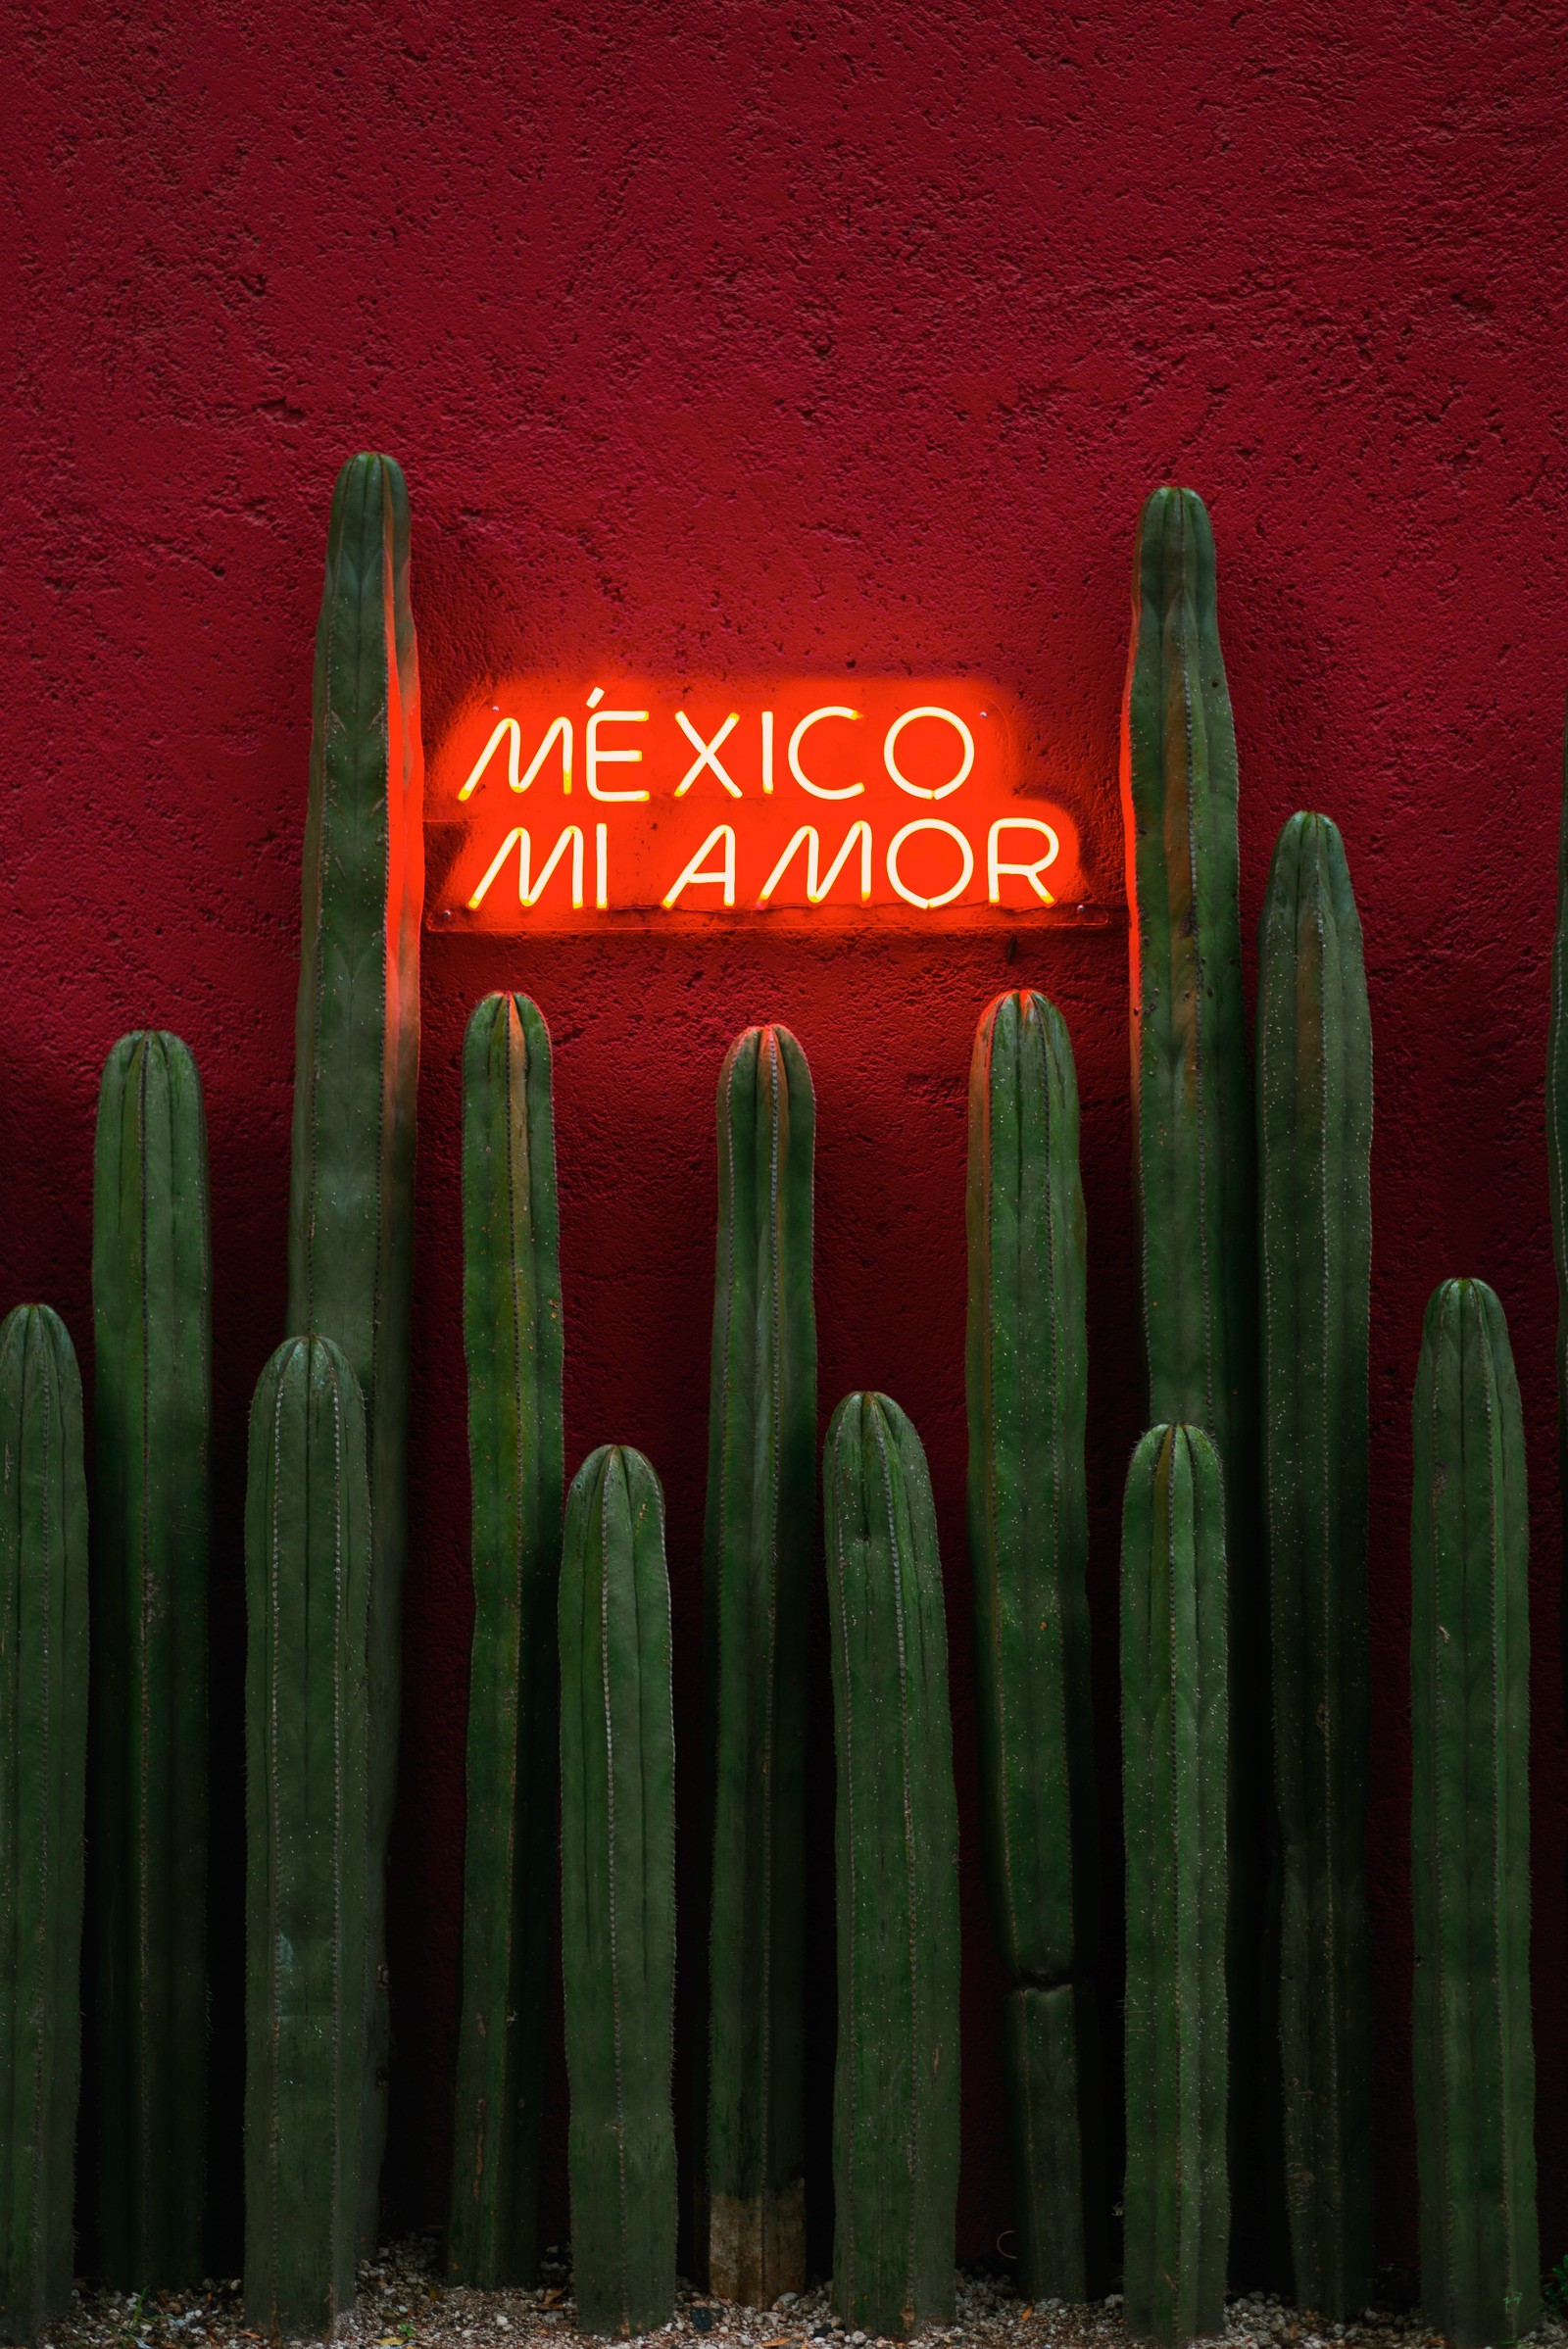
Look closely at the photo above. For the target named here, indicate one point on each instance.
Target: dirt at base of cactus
(403, 2304)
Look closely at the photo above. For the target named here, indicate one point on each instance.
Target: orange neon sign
(807, 802)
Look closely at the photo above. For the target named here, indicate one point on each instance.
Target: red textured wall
(744, 338)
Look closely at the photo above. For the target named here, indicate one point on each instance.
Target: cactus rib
(896, 2085)
(1174, 1734)
(758, 1547)
(1028, 1547)
(1470, 1828)
(617, 1888)
(357, 1051)
(152, 1316)
(43, 1740)
(513, 1341)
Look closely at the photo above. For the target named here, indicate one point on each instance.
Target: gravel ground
(403, 2305)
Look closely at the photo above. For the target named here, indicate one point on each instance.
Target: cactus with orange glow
(895, 2083)
(356, 1071)
(44, 1759)
(513, 1340)
(1028, 1549)
(757, 1550)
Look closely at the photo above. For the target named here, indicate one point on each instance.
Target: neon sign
(801, 804)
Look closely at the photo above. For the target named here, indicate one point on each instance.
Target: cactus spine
(1197, 1168)
(1029, 1545)
(152, 1318)
(1314, 1117)
(758, 1547)
(617, 1884)
(513, 1340)
(1475, 2080)
(307, 1804)
(896, 2086)
(1175, 1702)
(356, 1054)
(43, 1740)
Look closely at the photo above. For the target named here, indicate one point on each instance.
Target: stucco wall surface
(761, 339)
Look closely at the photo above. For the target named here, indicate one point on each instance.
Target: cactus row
(307, 1814)
(758, 1543)
(152, 1320)
(1470, 1828)
(1175, 1699)
(618, 1892)
(513, 1340)
(43, 1741)
(357, 1051)
(1314, 1106)
(1027, 1359)
(896, 2087)
(1197, 1165)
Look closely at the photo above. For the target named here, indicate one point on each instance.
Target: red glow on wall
(806, 803)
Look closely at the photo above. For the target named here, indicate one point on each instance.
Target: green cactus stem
(356, 1052)
(512, 1339)
(44, 1761)
(1028, 1547)
(152, 1320)
(307, 1807)
(1474, 2073)
(618, 1892)
(757, 1550)
(1175, 1699)
(1314, 1122)
(1557, 1175)
(896, 2085)
(1197, 1148)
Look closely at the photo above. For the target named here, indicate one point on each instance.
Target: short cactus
(1028, 1549)
(306, 1820)
(757, 1550)
(618, 1892)
(513, 1340)
(1474, 2073)
(43, 1741)
(896, 2085)
(151, 1319)
(356, 1073)
(1175, 1697)
(1314, 1120)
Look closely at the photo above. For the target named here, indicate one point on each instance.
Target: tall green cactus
(307, 1816)
(1314, 1123)
(512, 1338)
(618, 1892)
(356, 1071)
(896, 2085)
(43, 1741)
(1558, 1174)
(1027, 1366)
(757, 1550)
(1175, 1702)
(1474, 2073)
(151, 1319)
(1196, 1151)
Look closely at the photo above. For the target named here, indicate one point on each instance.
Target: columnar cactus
(356, 1052)
(1196, 1164)
(1175, 1699)
(758, 1548)
(151, 1319)
(1557, 1166)
(1028, 1547)
(896, 2085)
(43, 1740)
(1475, 2075)
(512, 1339)
(1314, 1122)
(618, 1892)
(307, 1804)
